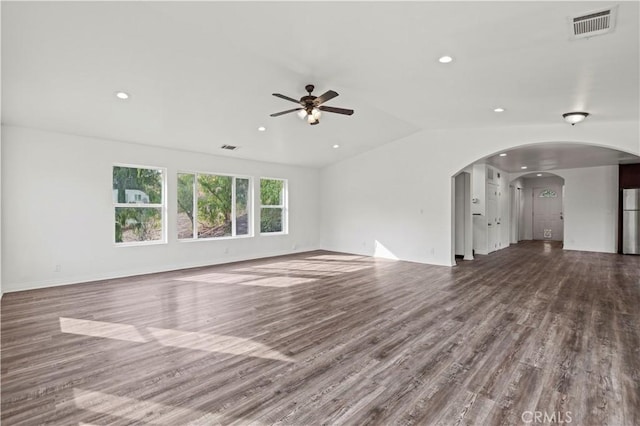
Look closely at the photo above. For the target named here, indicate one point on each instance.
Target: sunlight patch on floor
(220, 278)
(108, 330)
(255, 279)
(343, 257)
(216, 343)
(282, 272)
(280, 281)
(305, 266)
(175, 338)
(140, 411)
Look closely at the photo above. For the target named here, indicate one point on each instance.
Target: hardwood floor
(524, 336)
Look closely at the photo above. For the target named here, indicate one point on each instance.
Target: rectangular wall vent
(229, 147)
(594, 23)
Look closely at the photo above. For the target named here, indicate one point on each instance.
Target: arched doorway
(537, 207)
(574, 186)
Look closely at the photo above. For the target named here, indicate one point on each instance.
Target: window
(139, 204)
(213, 206)
(273, 206)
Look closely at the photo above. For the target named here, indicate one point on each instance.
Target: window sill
(141, 243)
(269, 234)
(193, 240)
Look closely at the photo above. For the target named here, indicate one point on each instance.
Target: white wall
(590, 208)
(1, 290)
(400, 193)
(459, 212)
(479, 208)
(517, 211)
(57, 210)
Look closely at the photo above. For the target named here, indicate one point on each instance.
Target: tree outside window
(138, 200)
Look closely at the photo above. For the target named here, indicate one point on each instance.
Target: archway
(586, 179)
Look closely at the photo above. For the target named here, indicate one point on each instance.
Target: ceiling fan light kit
(311, 106)
(574, 117)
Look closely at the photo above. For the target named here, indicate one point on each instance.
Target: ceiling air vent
(229, 147)
(595, 23)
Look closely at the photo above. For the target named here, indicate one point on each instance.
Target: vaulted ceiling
(201, 74)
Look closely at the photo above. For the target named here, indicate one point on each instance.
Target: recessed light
(498, 110)
(523, 167)
(336, 146)
(262, 129)
(504, 154)
(122, 95)
(539, 174)
(445, 59)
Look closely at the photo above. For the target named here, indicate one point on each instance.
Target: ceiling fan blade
(336, 110)
(286, 98)
(275, 114)
(330, 94)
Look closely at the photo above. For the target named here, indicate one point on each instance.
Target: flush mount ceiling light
(574, 117)
(524, 167)
(262, 129)
(336, 146)
(445, 59)
(122, 95)
(539, 174)
(504, 154)
(498, 109)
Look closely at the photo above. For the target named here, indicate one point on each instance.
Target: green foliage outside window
(272, 200)
(139, 186)
(214, 205)
(271, 191)
(212, 213)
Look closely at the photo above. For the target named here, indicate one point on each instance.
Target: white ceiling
(201, 74)
(557, 156)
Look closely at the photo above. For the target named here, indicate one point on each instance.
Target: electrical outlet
(57, 268)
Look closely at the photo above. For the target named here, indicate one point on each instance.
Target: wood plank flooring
(530, 335)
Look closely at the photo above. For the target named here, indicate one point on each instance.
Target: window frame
(162, 206)
(284, 206)
(233, 235)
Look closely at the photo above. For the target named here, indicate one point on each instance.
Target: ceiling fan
(311, 106)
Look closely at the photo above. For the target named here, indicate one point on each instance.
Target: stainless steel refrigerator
(631, 221)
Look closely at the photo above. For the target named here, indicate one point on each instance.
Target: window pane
(138, 224)
(270, 220)
(242, 214)
(214, 206)
(137, 185)
(271, 191)
(185, 205)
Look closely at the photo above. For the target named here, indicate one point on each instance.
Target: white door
(493, 221)
(547, 214)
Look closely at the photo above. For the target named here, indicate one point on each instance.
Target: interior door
(547, 214)
(493, 221)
